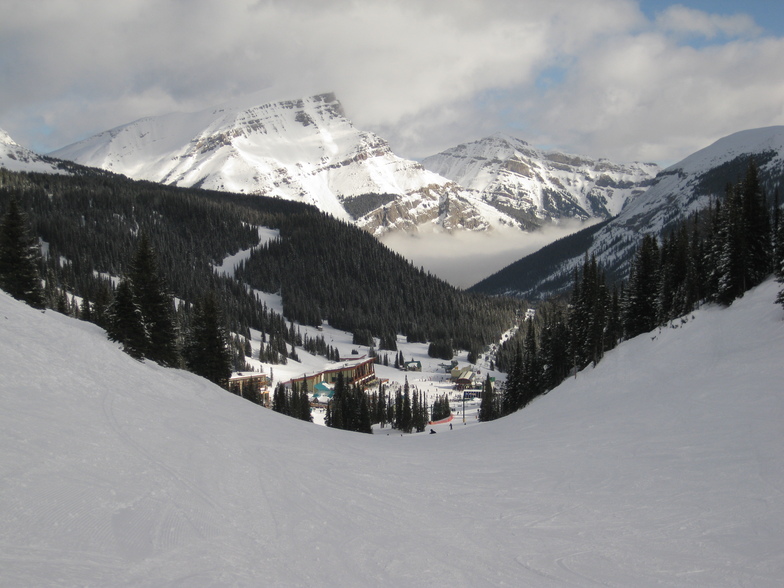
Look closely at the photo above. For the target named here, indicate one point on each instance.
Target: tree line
(120, 252)
(323, 269)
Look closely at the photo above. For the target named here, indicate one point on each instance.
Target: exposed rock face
(304, 150)
(434, 204)
(535, 186)
(674, 194)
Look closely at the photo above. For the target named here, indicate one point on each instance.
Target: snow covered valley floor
(663, 466)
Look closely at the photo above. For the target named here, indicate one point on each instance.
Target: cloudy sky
(623, 79)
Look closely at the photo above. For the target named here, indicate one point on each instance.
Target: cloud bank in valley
(467, 257)
(608, 78)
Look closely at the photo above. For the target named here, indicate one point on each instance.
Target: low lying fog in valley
(464, 258)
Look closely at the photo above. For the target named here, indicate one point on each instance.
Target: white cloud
(466, 257)
(647, 97)
(424, 75)
(681, 20)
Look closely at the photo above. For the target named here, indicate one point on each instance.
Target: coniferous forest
(129, 249)
(714, 256)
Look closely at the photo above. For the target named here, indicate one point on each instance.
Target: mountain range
(308, 150)
(535, 186)
(676, 192)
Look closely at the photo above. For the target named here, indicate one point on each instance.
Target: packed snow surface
(660, 467)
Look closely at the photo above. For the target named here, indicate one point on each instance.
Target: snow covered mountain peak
(5, 139)
(14, 157)
(535, 186)
(704, 175)
(750, 141)
(304, 149)
(676, 192)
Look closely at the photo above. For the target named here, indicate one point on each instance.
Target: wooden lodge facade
(359, 371)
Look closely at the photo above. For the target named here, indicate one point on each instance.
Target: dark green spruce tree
(207, 351)
(514, 392)
(639, 307)
(489, 409)
(19, 255)
(125, 323)
(156, 305)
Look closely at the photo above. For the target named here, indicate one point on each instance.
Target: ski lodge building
(251, 385)
(358, 371)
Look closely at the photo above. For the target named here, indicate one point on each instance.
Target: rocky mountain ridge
(304, 150)
(676, 192)
(535, 186)
(308, 150)
(14, 157)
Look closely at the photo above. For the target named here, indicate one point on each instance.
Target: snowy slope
(688, 186)
(541, 186)
(305, 150)
(16, 158)
(661, 467)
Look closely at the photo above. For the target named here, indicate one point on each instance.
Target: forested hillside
(683, 189)
(90, 223)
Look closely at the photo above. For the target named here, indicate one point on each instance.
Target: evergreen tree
(756, 229)
(125, 323)
(364, 424)
(729, 249)
(554, 350)
(156, 305)
(532, 373)
(19, 254)
(381, 407)
(441, 408)
(406, 418)
(207, 353)
(418, 412)
(639, 309)
(85, 311)
(488, 408)
(778, 250)
(337, 404)
(398, 411)
(514, 392)
(304, 413)
(280, 399)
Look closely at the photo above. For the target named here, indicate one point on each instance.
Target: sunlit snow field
(663, 466)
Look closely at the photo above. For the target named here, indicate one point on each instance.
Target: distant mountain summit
(675, 193)
(535, 186)
(308, 150)
(14, 157)
(304, 150)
